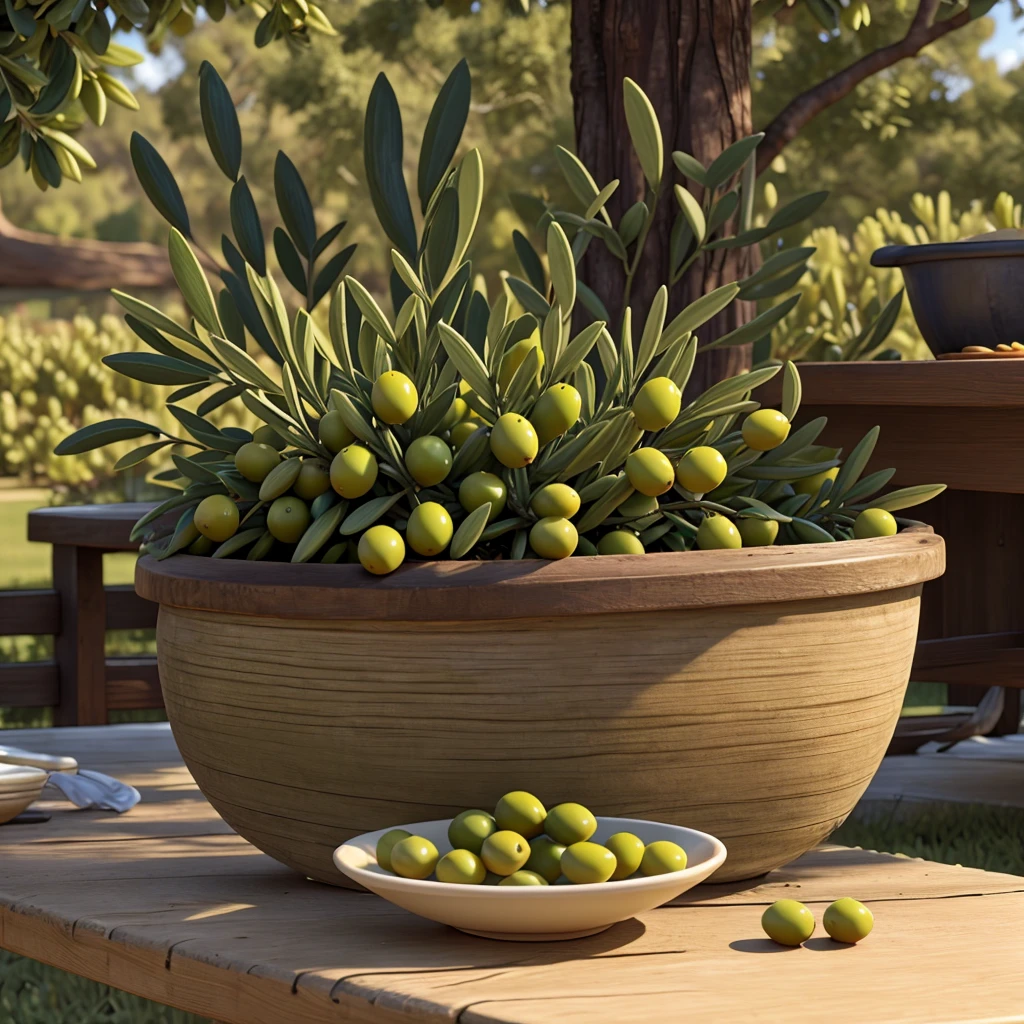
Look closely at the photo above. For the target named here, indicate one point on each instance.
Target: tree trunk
(30, 260)
(692, 58)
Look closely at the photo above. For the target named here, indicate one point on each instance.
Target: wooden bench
(80, 682)
(165, 901)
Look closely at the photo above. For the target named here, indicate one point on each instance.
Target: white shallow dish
(533, 913)
(18, 777)
(47, 762)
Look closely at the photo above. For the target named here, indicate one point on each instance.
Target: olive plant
(460, 426)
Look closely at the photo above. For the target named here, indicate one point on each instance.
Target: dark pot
(963, 293)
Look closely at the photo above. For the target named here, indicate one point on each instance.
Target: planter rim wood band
(450, 590)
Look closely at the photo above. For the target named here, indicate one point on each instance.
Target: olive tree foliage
(61, 64)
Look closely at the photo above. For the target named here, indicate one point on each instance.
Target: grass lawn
(27, 565)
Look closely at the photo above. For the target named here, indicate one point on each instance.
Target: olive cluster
(522, 843)
(298, 490)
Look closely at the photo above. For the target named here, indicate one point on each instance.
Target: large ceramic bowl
(530, 914)
(963, 293)
(750, 694)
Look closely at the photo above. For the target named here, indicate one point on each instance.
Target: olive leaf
(792, 390)
(368, 513)
(470, 531)
(562, 267)
(382, 151)
(96, 435)
(294, 205)
(606, 504)
(907, 497)
(189, 275)
(444, 129)
(158, 183)
(156, 369)
(468, 363)
(644, 131)
(692, 212)
(233, 545)
(318, 533)
(220, 122)
(372, 313)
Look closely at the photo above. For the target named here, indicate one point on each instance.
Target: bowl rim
(446, 591)
(904, 255)
(398, 884)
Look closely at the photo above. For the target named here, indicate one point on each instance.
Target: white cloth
(93, 789)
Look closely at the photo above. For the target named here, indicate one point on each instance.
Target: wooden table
(958, 422)
(166, 902)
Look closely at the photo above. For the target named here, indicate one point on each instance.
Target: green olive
(430, 529)
(657, 404)
(287, 519)
(520, 812)
(637, 505)
(523, 878)
(765, 429)
(846, 920)
(254, 460)
(701, 470)
(620, 542)
(874, 522)
(479, 489)
(628, 850)
(333, 433)
(585, 863)
(553, 537)
(394, 398)
(201, 546)
(757, 533)
(717, 532)
(461, 867)
(414, 857)
(381, 549)
(556, 411)
(556, 500)
(812, 484)
(505, 852)
(323, 503)
(463, 431)
(386, 844)
(516, 356)
(788, 922)
(216, 517)
(514, 441)
(314, 478)
(546, 857)
(469, 829)
(456, 413)
(268, 435)
(353, 471)
(650, 472)
(661, 857)
(570, 823)
(428, 460)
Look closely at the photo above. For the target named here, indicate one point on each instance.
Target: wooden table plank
(165, 903)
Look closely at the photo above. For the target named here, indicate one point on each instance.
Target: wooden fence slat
(29, 685)
(29, 611)
(126, 610)
(133, 684)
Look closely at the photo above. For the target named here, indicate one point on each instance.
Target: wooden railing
(80, 683)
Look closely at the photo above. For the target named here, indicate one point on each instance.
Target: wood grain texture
(943, 384)
(447, 590)
(88, 526)
(760, 723)
(150, 903)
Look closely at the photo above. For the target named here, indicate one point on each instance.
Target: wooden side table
(958, 422)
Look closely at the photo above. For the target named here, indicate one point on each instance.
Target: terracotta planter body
(750, 694)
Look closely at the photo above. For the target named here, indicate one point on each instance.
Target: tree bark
(30, 260)
(692, 58)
